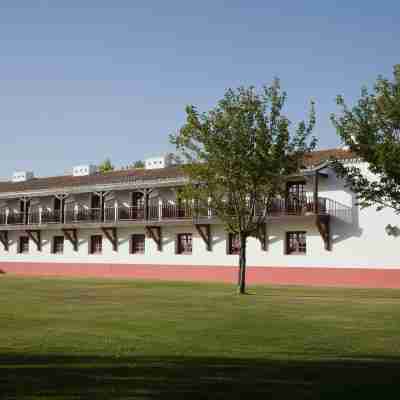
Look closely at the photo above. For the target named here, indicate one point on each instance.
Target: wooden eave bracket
(154, 232)
(4, 239)
(35, 236)
(72, 236)
(323, 225)
(204, 230)
(263, 237)
(112, 236)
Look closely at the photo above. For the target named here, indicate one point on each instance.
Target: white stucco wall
(359, 242)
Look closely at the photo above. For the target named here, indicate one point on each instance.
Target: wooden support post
(62, 197)
(4, 239)
(146, 194)
(111, 235)
(154, 232)
(323, 225)
(35, 236)
(204, 230)
(72, 237)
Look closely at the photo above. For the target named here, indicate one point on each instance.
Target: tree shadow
(163, 377)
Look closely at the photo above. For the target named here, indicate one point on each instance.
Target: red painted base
(355, 277)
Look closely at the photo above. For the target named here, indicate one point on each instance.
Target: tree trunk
(242, 264)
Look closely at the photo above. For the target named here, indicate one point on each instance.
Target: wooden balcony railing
(52, 217)
(83, 215)
(171, 212)
(16, 218)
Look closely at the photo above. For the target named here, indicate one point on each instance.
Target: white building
(128, 223)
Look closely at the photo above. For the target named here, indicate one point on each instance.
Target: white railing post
(40, 215)
(116, 211)
(7, 212)
(160, 208)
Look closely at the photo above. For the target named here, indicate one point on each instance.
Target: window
(295, 197)
(137, 244)
(233, 244)
(23, 245)
(184, 243)
(96, 244)
(296, 243)
(58, 244)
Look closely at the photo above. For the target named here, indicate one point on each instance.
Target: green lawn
(106, 339)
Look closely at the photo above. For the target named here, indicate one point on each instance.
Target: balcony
(168, 213)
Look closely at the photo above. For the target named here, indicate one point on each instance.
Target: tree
(138, 164)
(237, 157)
(106, 166)
(371, 130)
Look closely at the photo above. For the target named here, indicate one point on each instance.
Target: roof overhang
(131, 185)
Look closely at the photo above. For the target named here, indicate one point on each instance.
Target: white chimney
(84, 170)
(158, 162)
(22, 176)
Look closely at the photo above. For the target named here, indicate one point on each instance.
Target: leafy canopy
(106, 166)
(240, 152)
(371, 130)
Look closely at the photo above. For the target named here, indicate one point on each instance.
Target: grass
(106, 339)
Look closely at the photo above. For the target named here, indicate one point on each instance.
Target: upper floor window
(137, 199)
(296, 243)
(184, 243)
(296, 190)
(96, 244)
(23, 245)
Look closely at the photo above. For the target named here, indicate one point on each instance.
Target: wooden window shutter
(228, 243)
(177, 244)
(285, 244)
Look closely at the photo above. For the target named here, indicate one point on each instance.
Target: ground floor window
(233, 244)
(58, 244)
(184, 243)
(23, 246)
(96, 244)
(296, 243)
(137, 244)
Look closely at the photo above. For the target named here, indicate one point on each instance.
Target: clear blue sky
(83, 80)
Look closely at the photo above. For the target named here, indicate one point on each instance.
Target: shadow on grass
(70, 377)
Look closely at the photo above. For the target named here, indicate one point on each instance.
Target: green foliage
(106, 166)
(138, 164)
(240, 153)
(371, 129)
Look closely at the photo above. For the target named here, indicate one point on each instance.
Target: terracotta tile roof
(319, 156)
(60, 182)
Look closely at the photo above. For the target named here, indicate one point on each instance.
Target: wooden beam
(263, 237)
(35, 236)
(72, 236)
(323, 225)
(204, 230)
(111, 235)
(4, 239)
(154, 232)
